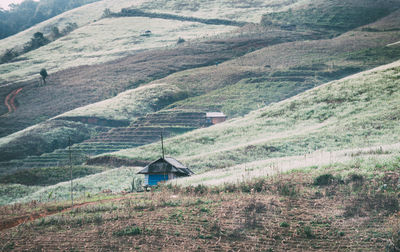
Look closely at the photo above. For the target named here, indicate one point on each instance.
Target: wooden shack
(164, 169)
(215, 117)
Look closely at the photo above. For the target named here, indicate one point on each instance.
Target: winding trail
(10, 100)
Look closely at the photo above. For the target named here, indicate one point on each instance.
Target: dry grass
(82, 16)
(312, 161)
(103, 41)
(67, 90)
(326, 117)
(115, 38)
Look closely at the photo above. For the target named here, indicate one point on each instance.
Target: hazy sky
(4, 3)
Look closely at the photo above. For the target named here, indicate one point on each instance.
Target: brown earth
(287, 213)
(10, 100)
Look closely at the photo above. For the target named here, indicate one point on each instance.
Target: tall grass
(351, 113)
(115, 180)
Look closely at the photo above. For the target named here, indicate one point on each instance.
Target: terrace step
(144, 130)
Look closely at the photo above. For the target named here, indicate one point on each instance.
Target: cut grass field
(280, 213)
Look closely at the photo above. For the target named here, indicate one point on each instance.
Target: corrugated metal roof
(215, 114)
(174, 162)
(166, 165)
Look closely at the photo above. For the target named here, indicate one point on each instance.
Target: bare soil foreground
(293, 212)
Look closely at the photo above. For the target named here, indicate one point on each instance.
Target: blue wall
(155, 178)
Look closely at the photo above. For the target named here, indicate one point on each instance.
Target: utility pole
(70, 169)
(162, 144)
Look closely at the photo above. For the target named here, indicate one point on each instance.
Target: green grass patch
(129, 231)
(378, 55)
(48, 175)
(335, 17)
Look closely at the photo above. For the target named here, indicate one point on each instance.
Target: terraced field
(144, 130)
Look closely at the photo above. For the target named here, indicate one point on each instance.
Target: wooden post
(162, 144)
(70, 170)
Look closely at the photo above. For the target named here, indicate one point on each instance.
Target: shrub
(55, 32)
(180, 40)
(129, 231)
(284, 224)
(8, 55)
(308, 232)
(200, 189)
(287, 189)
(106, 13)
(324, 179)
(37, 41)
(357, 178)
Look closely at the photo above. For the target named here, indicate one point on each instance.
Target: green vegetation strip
(48, 175)
(139, 13)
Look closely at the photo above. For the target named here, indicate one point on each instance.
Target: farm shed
(164, 169)
(215, 117)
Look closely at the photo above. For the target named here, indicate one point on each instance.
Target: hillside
(340, 123)
(110, 34)
(216, 87)
(234, 72)
(24, 15)
(308, 159)
(354, 112)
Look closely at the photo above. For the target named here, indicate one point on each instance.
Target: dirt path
(16, 221)
(10, 100)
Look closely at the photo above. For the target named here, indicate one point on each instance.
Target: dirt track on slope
(10, 100)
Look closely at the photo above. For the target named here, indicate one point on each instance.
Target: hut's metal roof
(215, 114)
(166, 165)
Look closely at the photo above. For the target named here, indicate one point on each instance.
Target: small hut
(215, 117)
(164, 169)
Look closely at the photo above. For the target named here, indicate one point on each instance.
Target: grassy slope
(102, 41)
(48, 135)
(254, 86)
(249, 65)
(74, 51)
(314, 61)
(85, 85)
(241, 85)
(353, 113)
(81, 16)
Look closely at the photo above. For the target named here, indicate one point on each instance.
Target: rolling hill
(98, 104)
(332, 198)
(327, 125)
(307, 160)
